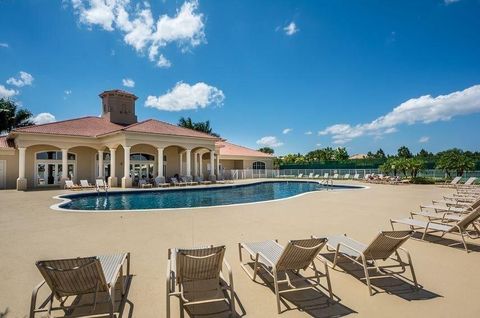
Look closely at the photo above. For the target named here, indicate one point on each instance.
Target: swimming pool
(175, 198)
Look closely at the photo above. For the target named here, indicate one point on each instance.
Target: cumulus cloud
(128, 82)
(425, 109)
(6, 92)
(23, 79)
(291, 29)
(269, 141)
(308, 133)
(287, 130)
(44, 118)
(184, 96)
(140, 29)
(5, 45)
(424, 139)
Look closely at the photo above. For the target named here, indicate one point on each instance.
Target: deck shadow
(102, 308)
(393, 285)
(216, 310)
(435, 239)
(312, 301)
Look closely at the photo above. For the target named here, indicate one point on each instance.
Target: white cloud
(308, 133)
(269, 141)
(425, 109)
(424, 139)
(128, 82)
(184, 96)
(286, 131)
(44, 118)
(23, 79)
(7, 93)
(5, 45)
(140, 29)
(447, 2)
(67, 92)
(163, 62)
(291, 29)
(318, 145)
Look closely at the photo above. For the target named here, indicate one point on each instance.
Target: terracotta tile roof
(85, 127)
(229, 149)
(154, 126)
(4, 143)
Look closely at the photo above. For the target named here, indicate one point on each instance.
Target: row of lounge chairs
(456, 182)
(203, 276)
(100, 184)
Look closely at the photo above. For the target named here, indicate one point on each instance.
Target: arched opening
(258, 165)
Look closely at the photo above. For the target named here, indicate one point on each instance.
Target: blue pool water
(192, 197)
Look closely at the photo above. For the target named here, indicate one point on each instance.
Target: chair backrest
(310, 175)
(470, 181)
(456, 180)
(367, 176)
(469, 218)
(346, 176)
(335, 176)
(69, 183)
(299, 254)
(385, 244)
(84, 183)
(173, 180)
(325, 175)
(199, 263)
(159, 180)
(300, 175)
(75, 276)
(100, 183)
(142, 181)
(356, 176)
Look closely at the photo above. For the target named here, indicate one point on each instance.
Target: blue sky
(296, 75)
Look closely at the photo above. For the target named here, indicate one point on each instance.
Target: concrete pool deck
(30, 231)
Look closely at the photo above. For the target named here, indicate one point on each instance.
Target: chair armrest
(33, 302)
(229, 270)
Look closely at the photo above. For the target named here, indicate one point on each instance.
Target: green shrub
(422, 180)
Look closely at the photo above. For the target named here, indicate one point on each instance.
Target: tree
(424, 154)
(380, 154)
(455, 160)
(267, 150)
(12, 117)
(340, 154)
(202, 126)
(415, 165)
(404, 152)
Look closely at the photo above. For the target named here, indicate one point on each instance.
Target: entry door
(3, 174)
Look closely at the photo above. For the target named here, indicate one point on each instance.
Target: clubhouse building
(118, 148)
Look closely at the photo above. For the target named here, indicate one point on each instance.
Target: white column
(21, 163)
(212, 162)
(126, 180)
(200, 155)
(160, 162)
(195, 162)
(64, 165)
(101, 168)
(112, 162)
(21, 181)
(112, 179)
(218, 165)
(181, 163)
(189, 162)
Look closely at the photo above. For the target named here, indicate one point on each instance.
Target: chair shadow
(392, 285)
(446, 241)
(311, 301)
(102, 308)
(216, 309)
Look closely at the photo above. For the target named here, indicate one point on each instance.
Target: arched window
(142, 157)
(258, 165)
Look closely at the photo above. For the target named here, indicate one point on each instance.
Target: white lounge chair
(383, 248)
(335, 176)
(160, 182)
(460, 227)
(195, 277)
(86, 185)
(356, 176)
(77, 277)
(69, 185)
(451, 184)
(325, 175)
(101, 185)
(277, 260)
(346, 176)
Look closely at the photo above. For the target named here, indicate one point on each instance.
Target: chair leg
(367, 276)
(329, 283)
(277, 292)
(464, 243)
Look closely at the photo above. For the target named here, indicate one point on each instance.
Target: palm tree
(12, 117)
(203, 126)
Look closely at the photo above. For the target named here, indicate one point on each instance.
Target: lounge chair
(310, 175)
(325, 175)
(101, 185)
(78, 277)
(69, 185)
(300, 175)
(200, 180)
(85, 185)
(384, 247)
(142, 183)
(189, 180)
(295, 256)
(220, 180)
(356, 176)
(160, 182)
(175, 182)
(195, 276)
(460, 227)
(470, 182)
(335, 176)
(317, 176)
(346, 176)
(451, 184)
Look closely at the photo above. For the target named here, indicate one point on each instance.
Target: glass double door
(51, 173)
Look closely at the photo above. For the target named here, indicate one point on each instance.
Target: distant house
(358, 156)
(116, 147)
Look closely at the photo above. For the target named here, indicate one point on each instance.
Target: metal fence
(238, 174)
